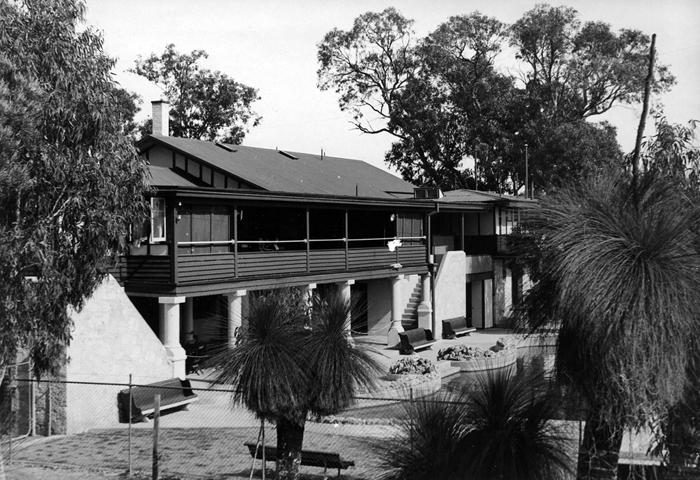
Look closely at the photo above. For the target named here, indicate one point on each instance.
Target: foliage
(412, 365)
(445, 102)
(575, 71)
(468, 352)
(283, 368)
(620, 277)
(500, 430)
(671, 150)
(460, 352)
(70, 181)
(205, 104)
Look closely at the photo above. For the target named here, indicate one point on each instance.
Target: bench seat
(174, 393)
(415, 339)
(310, 458)
(454, 327)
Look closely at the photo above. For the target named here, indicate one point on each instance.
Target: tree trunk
(2, 458)
(290, 438)
(600, 450)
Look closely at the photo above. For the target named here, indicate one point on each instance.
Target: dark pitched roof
(292, 172)
(475, 196)
(165, 177)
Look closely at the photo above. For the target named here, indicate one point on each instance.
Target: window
(157, 219)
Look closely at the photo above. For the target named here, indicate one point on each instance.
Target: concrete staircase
(409, 318)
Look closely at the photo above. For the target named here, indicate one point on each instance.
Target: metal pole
(129, 443)
(156, 422)
(264, 463)
(527, 174)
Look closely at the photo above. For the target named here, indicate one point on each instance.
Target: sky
(271, 45)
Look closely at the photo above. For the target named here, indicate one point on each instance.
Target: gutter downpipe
(431, 263)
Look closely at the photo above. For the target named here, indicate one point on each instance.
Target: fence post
(129, 441)
(32, 396)
(411, 417)
(156, 422)
(49, 406)
(12, 419)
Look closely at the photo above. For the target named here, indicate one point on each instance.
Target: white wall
(378, 306)
(110, 341)
(379, 302)
(479, 264)
(508, 292)
(450, 295)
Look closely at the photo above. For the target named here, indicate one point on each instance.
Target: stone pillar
(396, 310)
(235, 305)
(488, 303)
(169, 326)
(188, 320)
(344, 288)
(425, 309)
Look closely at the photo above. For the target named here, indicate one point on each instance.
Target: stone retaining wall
(504, 358)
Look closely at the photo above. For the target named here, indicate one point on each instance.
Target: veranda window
(157, 219)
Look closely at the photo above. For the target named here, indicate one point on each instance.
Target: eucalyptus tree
(205, 104)
(71, 182)
(282, 370)
(445, 99)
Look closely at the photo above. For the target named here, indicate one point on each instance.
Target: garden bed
(477, 364)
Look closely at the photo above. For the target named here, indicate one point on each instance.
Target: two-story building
(229, 220)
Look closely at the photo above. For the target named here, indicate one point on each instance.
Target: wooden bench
(416, 339)
(308, 457)
(174, 393)
(454, 327)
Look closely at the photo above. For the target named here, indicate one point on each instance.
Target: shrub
(413, 364)
(459, 352)
(465, 352)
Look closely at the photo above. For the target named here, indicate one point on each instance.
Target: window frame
(160, 210)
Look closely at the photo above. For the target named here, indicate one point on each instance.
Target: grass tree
(618, 269)
(285, 367)
(500, 430)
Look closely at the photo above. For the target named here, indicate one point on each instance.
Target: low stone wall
(401, 385)
(504, 358)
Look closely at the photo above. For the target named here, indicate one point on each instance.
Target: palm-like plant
(620, 273)
(282, 369)
(502, 430)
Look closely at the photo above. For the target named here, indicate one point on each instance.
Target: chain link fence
(198, 433)
(202, 438)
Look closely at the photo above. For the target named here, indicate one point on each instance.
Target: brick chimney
(161, 117)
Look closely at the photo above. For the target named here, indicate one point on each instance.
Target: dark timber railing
(289, 257)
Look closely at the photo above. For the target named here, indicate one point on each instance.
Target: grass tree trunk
(2, 458)
(600, 450)
(290, 438)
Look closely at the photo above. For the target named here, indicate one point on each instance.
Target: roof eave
(309, 198)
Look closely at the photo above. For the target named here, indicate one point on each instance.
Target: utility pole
(527, 174)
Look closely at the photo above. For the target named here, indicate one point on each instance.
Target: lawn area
(214, 453)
